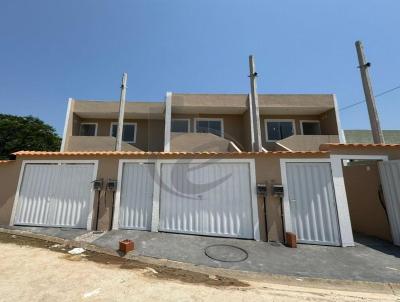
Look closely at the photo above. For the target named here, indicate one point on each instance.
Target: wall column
(167, 128)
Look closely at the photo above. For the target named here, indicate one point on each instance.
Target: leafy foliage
(26, 133)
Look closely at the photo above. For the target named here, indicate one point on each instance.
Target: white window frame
(181, 119)
(95, 131)
(277, 120)
(309, 121)
(134, 134)
(92, 192)
(209, 119)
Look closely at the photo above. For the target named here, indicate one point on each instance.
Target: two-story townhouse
(271, 174)
(204, 122)
(92, 125)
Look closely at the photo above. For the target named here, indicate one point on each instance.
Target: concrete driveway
(370, 260)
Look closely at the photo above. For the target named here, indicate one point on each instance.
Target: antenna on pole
(369, 96)
(118, 142)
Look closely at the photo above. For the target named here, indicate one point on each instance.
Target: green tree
(26, 133)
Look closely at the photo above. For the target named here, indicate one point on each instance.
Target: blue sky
(52, 50)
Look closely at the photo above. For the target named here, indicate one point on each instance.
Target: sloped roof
(163, 154)
(327, 147)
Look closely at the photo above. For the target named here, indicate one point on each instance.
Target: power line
(377, 95)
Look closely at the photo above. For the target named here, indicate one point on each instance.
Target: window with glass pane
(180, 126)
(87, 130)
(209, 126)
(128, 132)
(277, 130)
(311, 128)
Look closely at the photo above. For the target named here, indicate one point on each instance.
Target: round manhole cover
(226, 253)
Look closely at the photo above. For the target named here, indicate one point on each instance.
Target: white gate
(207, 198)
(136, 200)
(55, 194)
(390, 178)
(312, 202)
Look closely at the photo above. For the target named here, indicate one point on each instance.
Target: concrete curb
(334, 284)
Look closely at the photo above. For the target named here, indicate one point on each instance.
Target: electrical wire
(377, 95)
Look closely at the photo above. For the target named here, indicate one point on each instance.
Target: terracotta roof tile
(326, 147)
(162, 154)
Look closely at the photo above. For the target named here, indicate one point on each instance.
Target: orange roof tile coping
(133, 153)
(326, 147)
(5, 161)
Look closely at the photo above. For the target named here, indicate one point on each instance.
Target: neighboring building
(204, 122)
(365, 136)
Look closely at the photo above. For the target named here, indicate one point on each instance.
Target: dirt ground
(34, 270)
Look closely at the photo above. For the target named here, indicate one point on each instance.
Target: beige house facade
(192, 165)
(319, 195)
(205, 122)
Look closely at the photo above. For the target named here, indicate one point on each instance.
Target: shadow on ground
(380, 245)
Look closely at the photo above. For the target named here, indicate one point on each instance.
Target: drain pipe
(112, 211)
(112, 187)
(263, 192)
(98, 209)
(98, 186)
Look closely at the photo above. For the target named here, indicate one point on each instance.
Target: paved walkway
(370, 260)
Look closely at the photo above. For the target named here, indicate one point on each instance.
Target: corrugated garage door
(390, 178)
(136, 196)
(312, 203)
(208, 199)
(56, 195)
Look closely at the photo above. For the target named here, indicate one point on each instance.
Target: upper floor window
(180, 125)
(310, 127)
(214, 126)
(279, 129)
(128, 132)
(88, 129)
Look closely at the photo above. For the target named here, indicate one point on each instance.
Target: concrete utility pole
(255, 112)
(118, 142)
(369, 96)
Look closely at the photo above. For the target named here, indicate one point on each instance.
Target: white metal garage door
(136, 201)
(208, 199)
(390, 178)
(312, 203)
(56, 195)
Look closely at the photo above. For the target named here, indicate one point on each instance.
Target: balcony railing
(96, 143)
(201, 142)
(306, 142)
